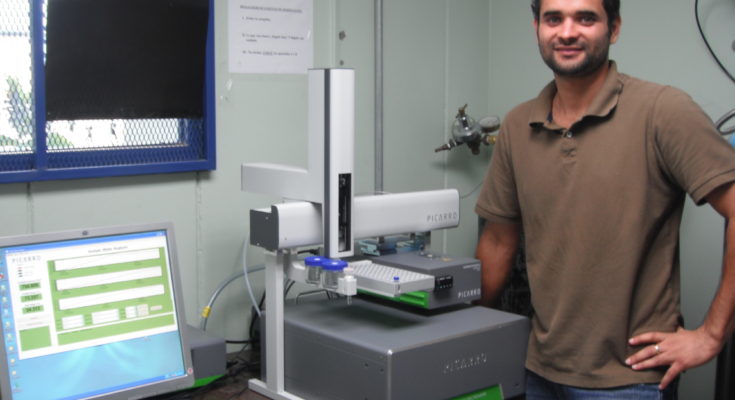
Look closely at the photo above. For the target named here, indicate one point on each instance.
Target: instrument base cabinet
(370, 351)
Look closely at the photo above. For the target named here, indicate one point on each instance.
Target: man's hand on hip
(681, 350)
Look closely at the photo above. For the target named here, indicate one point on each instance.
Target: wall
(435, 54)
(262, 118)
(259, 118)
(659, 42)
(436, 60)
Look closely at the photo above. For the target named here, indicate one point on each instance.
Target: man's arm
(496, 251)
(686, 349)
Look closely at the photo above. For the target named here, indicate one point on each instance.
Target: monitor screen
(93, 313)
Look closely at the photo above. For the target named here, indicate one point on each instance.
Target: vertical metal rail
(378, 31)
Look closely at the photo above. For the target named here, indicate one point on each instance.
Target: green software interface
(92, 294)
(71, 308)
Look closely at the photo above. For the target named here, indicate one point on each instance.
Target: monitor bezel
(155, 388)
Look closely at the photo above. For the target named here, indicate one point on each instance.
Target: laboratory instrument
(322, 210)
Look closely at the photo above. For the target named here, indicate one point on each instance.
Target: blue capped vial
(332, 270)
(313, 269)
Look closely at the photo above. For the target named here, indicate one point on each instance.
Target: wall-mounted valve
(466, 131)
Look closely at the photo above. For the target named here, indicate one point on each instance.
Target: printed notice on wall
(270, 36)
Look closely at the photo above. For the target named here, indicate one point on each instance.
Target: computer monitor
(94, 313)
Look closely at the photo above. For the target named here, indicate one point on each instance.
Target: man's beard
(594, 59)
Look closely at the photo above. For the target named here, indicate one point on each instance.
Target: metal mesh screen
(16, 91)
(125, 142)
(100, 134)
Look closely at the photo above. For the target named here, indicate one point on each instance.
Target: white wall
(259, 118)
(262, 118)
(436, 60)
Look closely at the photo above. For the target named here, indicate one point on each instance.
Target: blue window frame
(33, 148)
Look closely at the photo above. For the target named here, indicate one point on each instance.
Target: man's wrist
(716, 336)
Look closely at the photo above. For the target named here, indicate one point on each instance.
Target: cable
(721, 123)
(288, 287)
(462, 197)
(729, 115)
(245, 271)
(238, 341)
(208, 308)
(706, 42)
(253, 319)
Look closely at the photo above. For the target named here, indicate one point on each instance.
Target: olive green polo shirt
(600, 206)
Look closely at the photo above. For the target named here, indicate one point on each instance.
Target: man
(595, 171)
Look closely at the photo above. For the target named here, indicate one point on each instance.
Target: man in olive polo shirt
(595, 171)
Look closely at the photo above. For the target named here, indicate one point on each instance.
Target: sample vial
(332, 270)
(313, 269)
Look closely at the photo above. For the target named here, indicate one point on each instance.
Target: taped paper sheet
(270, 36)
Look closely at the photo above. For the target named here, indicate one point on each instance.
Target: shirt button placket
(568, 147)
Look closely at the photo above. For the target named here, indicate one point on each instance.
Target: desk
(228, 388)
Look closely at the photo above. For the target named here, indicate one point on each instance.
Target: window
(92, 88)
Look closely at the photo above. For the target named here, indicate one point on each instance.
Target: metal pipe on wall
(378, 30)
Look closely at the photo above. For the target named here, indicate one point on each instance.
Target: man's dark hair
(612, 8)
